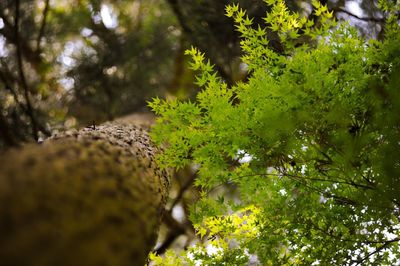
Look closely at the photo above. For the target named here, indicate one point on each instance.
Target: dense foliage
(308, 146)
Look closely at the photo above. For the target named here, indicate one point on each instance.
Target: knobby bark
(88, 197)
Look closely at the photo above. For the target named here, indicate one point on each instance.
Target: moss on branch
(88, 197)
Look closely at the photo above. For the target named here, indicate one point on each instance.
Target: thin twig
(183, 189)
(372, 19)
(10, 88)
(43, 25)
(22, 75)
(3, 78)
(350, 183)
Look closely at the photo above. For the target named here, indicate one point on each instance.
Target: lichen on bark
(88, 197)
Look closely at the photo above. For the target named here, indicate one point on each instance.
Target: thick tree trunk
(88, 197)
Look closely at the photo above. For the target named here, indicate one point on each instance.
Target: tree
(63, 61)
(88, 197)
(307, 150)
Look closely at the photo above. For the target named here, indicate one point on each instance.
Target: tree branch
(377, 250)
(350, 183)
(88, 197)
(175, 229)
(3, 78)
(22, 74)
(372, 19)
(42, 26)
(6, 132)
(8, 32)
(9, 87)
(183, 189)
(179, 15)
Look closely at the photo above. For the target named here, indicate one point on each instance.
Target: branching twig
(175, 229)
(8, 32)
(377, 250)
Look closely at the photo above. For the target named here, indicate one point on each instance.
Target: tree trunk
(88, 197)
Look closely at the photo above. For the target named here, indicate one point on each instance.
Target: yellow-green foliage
(224, 233)
(320, 122)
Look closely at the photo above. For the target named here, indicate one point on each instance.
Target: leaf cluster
(320, 124)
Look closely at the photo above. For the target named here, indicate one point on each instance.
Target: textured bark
(88, 197)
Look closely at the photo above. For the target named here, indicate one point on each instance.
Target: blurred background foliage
(77, 63)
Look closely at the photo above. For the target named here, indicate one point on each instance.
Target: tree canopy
(300, 163)
(68, 64)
